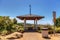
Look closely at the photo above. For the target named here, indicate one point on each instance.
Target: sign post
(54, 20)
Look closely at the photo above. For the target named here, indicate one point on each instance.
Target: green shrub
(4, 32)
(50, 30)
(39, 31)
(21, 29)
(57, 30)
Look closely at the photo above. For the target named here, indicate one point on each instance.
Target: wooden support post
(24, 24)
(36, 23)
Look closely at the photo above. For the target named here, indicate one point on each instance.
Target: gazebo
(30, 17)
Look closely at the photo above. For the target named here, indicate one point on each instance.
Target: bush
(4, 32)
(50, 30)
(57, 30)
(39, 31)
(21, 29)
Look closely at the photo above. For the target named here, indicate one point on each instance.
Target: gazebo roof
(30, 17)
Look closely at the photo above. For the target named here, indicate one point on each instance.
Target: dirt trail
(32, 36)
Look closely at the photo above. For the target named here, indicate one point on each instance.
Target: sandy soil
(38, 36)
(32, 36)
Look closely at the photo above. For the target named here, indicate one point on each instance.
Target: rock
(14, 35)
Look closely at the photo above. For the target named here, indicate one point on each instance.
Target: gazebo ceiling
(30, 17)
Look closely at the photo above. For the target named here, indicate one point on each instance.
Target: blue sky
(15, 8)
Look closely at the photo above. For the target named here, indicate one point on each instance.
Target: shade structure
(30, 17)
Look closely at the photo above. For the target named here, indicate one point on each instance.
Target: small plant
(57, 29)
(4, 32)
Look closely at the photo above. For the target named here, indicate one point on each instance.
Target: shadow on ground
(30, 29)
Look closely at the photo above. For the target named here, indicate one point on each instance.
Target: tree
(15, 21)
(57, 23)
